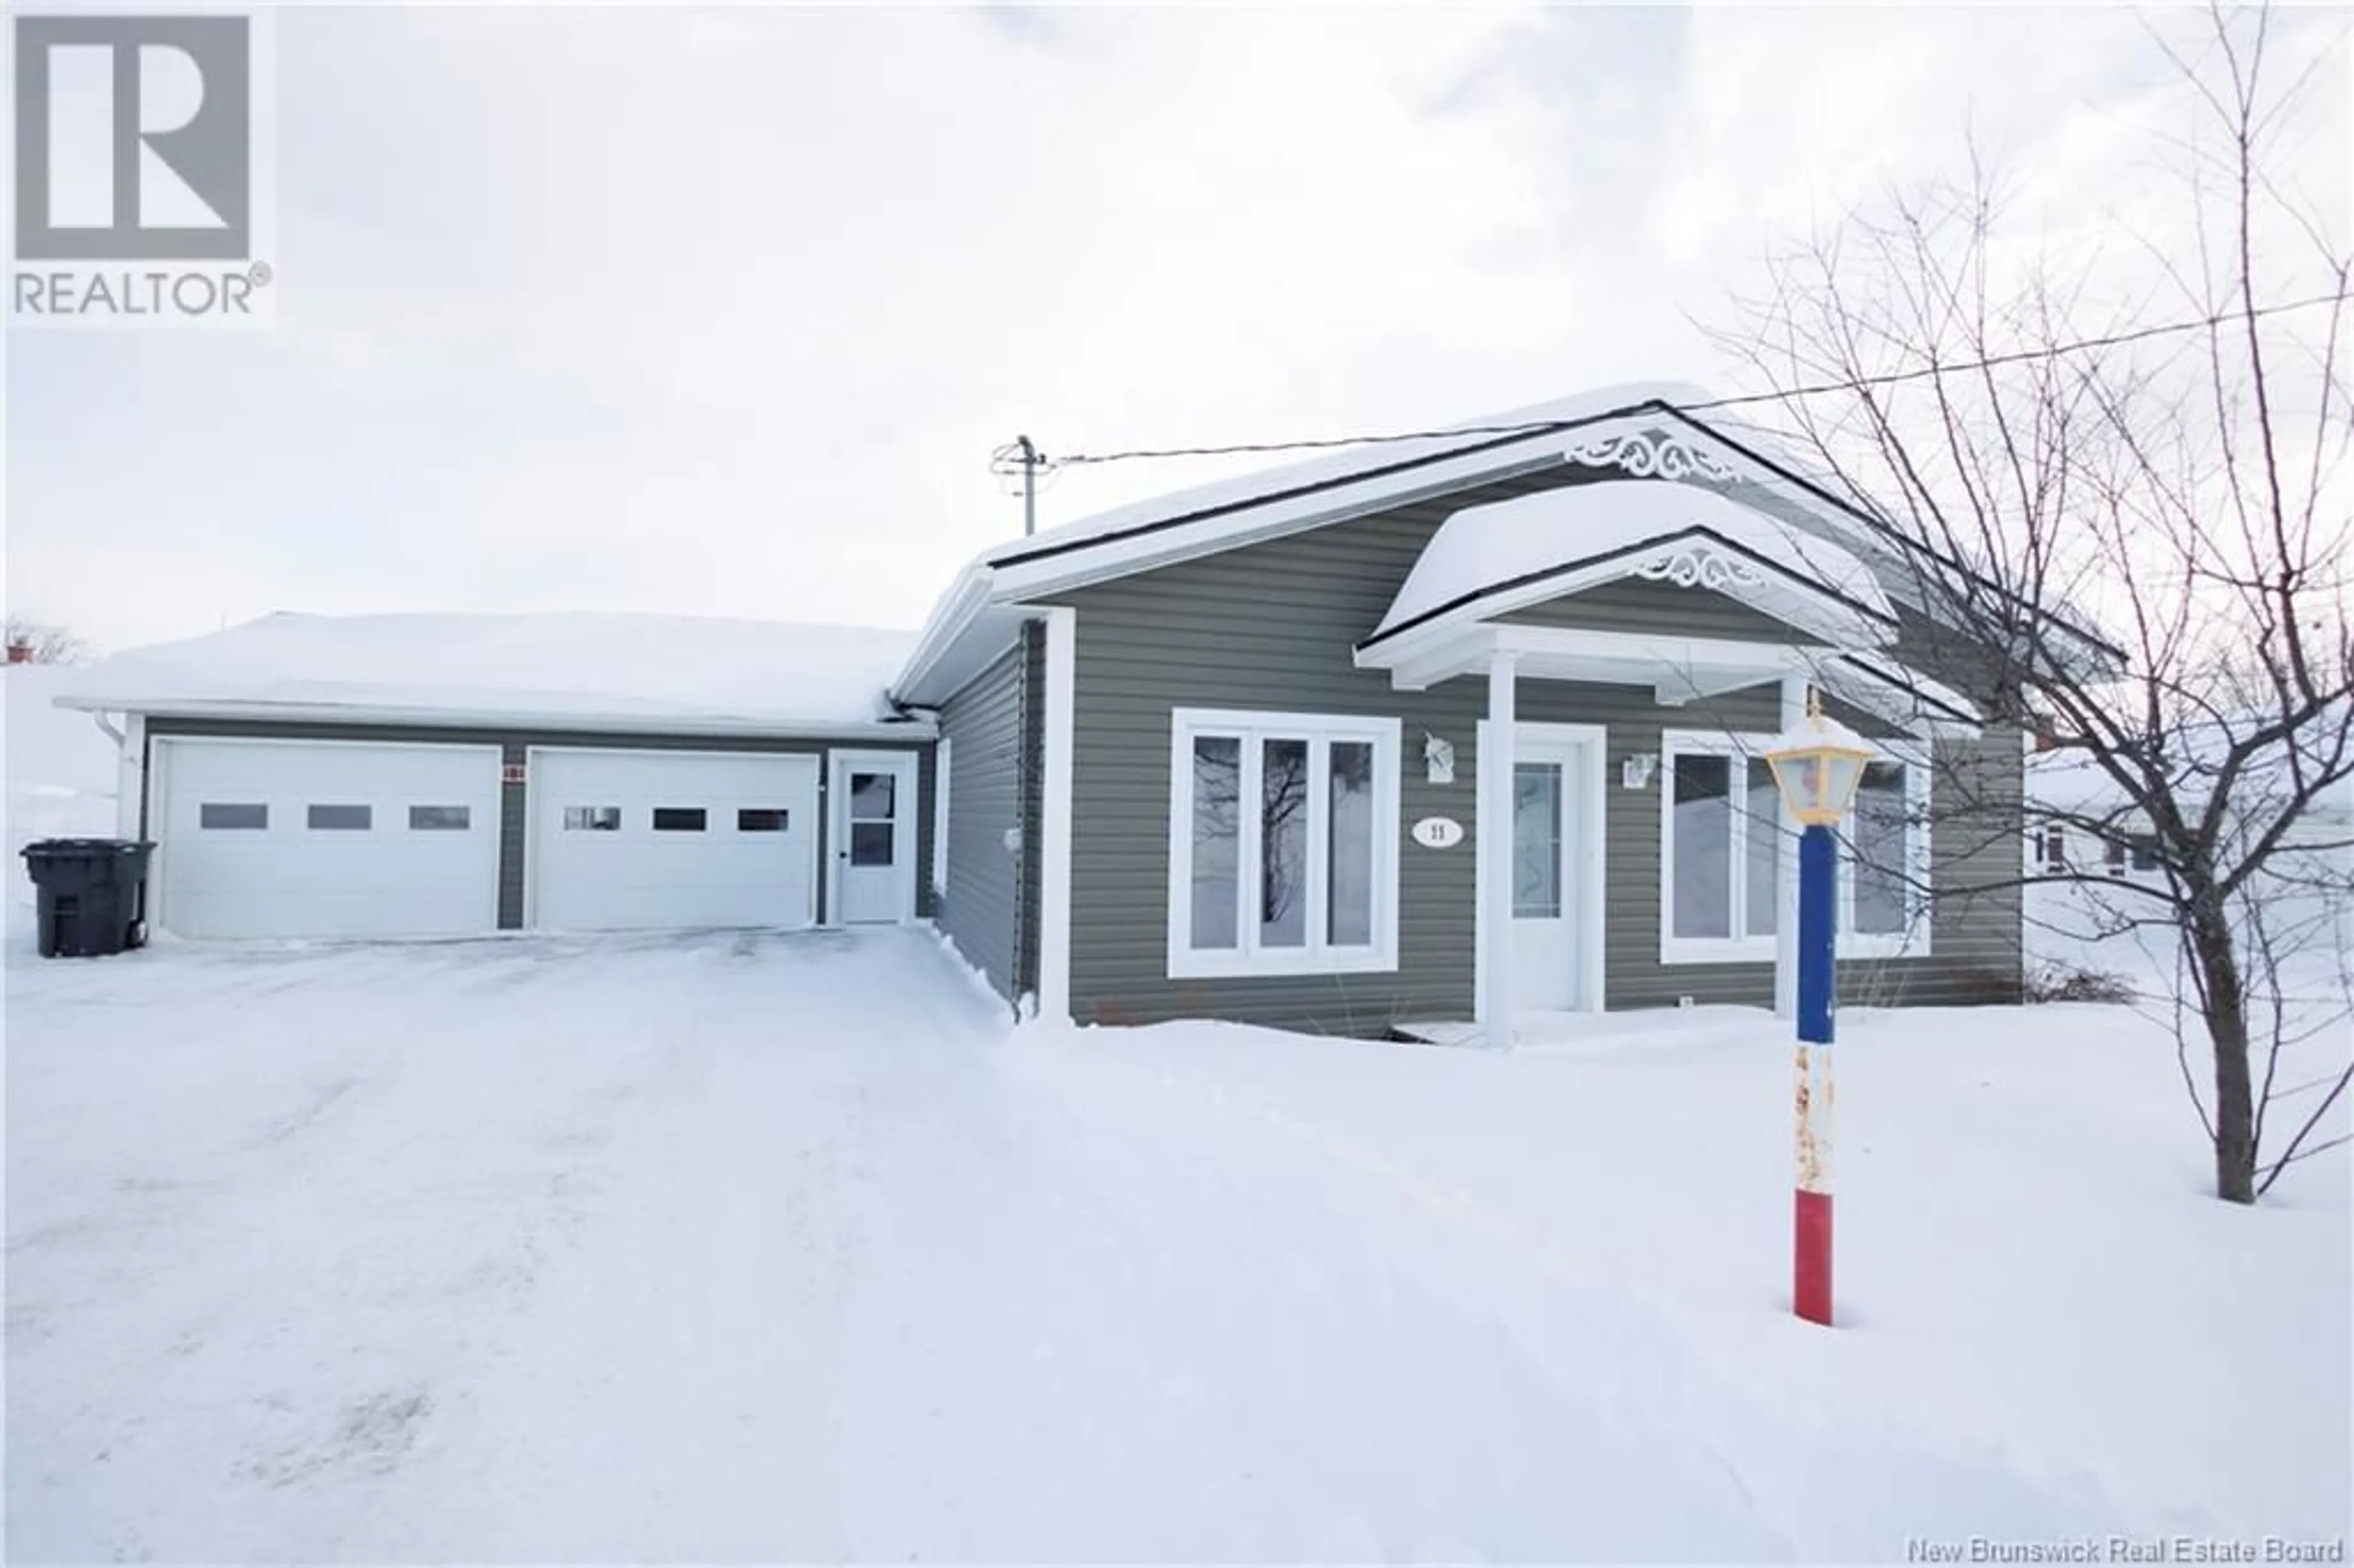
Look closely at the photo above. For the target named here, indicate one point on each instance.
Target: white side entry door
(873, 836)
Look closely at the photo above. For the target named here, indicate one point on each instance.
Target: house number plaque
(1439, 833)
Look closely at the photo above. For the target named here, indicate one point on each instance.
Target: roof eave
(783, 727)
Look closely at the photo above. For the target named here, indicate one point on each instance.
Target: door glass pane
(1536, 841)
(870, 844)
(1283, 843)
(1878, 837)
(870, 796)
(1217, 840)
(1763, 859)
(1349, 907)
(1700, 846)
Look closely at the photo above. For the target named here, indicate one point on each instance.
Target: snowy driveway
(706, 1248)
(767, 1248)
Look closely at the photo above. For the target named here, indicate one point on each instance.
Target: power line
(1241, 449)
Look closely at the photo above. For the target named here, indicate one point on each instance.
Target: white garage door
(264, 838)
(646, 840)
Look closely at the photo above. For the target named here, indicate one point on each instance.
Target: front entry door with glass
(1548, 834)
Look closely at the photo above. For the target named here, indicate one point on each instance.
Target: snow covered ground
(767, 1247)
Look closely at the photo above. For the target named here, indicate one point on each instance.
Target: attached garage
(650, 840)
(454, 776)
(278, 838)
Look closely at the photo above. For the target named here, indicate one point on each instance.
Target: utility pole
(1029, 484)
(1021, 455)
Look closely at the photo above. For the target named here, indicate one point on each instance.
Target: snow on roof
(1335, 466)
(964, 629)
(1481, 548)
(594, 670)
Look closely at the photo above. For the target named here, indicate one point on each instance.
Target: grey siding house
(1419, 739)
(1395, 741)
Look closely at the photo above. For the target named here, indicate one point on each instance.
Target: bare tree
(2112, 481)
(32, 643)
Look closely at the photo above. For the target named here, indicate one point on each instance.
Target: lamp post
(1816, 766)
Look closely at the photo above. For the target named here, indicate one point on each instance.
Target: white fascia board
(922, 728)
(1429, 654)
(965, 600)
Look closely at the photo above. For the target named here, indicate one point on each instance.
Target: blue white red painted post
(1817, 998)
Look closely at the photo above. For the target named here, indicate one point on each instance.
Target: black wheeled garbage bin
(88, 894)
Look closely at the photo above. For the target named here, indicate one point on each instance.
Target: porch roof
(1486, 561)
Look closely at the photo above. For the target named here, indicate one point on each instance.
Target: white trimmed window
(1721, 849)
(1884, 859)
(1283, 849)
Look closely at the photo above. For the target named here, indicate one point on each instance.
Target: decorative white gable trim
(1698, 563)
(1651, 454)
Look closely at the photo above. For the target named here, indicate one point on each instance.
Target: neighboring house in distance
(2082, 827)
(1229, 753)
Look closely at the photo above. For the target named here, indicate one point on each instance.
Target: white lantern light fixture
(1817, 764)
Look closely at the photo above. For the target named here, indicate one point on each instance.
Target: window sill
(1190, 965)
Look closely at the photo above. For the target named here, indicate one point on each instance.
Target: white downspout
(130, 770)
(1496, 851)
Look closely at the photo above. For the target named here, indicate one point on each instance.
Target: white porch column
(1786, 871)
(1495, 924)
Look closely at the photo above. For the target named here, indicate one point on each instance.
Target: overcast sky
(723, 311)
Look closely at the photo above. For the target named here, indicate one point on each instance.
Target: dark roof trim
(1044, 552)
(1528, 580)
(1881, 529)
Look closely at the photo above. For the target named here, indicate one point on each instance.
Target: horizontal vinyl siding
(515, 747)
(977, 908)
(1635, 604)
(1273, 627)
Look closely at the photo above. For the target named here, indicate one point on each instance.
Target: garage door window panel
(592, 819)
(679, 818)
(440, 818)
(232, 816)
(763, 820)
(341, 818)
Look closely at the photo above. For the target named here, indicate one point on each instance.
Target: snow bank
(61, 770)
(1483, 548)
(2046, 1328)
(601, 670)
